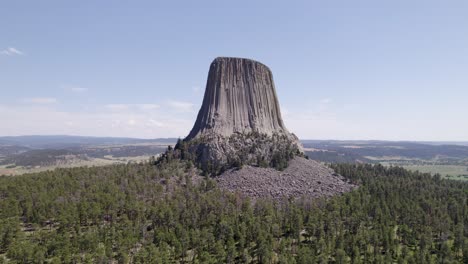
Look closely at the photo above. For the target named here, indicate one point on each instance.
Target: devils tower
(240, 137)
(240, 97)
(239, 122)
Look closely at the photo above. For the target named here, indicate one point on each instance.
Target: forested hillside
(142, 213)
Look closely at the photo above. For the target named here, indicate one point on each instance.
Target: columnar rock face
(240, 97)
(239, 122)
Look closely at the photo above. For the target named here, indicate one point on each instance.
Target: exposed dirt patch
(302, 177)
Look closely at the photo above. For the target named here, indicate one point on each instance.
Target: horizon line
(178, 137)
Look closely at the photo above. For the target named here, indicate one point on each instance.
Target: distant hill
(26, 152)
(421, 150)
(64, 141)
(57, 141)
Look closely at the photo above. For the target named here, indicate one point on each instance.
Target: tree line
(141, 213)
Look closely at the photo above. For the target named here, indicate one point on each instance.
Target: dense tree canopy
(141, 213)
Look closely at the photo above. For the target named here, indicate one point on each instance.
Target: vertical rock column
(240, 97)
(239, 121)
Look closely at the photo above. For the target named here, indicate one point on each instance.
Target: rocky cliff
(239, 136)
(240, 97)
(239, 122)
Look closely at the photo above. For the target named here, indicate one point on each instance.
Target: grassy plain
(106, 160)
(454, 172)
(457, 172)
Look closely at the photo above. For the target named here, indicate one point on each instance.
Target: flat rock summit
(240, 136)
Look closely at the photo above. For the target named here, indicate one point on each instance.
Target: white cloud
(307, 123)
(40, 100)
(147, 106)
(154, 123)
(45, 120)
(131, 107)
(181, 106)
(117, 107)
(324, 105)
(145, 120)
(196, 89)
(284, 111)
(114, 123)
(74, 88)
(78, 89)
(11, 52)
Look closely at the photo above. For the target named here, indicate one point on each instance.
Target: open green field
(456, 172)
(12, 170)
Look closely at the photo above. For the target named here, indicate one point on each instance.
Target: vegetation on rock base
(215, 155)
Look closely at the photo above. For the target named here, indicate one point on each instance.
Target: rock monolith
(240, 137)
(240, 97)
(239, 122)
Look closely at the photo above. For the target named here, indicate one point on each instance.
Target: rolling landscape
(447, 159)
(25, 154)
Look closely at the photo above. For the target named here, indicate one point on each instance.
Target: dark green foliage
(47, 157)
(37, 157)
(337, 157)
(142, 213)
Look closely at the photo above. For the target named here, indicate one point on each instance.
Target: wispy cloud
(123, 107)
(154, 123)
(38, 115)
(40, 119)
(196, 89)
(74, 88)
(324, 105)
(147, 106)
(131, 122)
(181, 106)
(117, 107)
(11, 52)
(40, 100)
(77, 89)
(284, 111)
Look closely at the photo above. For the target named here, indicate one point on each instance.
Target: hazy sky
(343, 70)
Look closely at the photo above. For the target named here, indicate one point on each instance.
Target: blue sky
(393, 70)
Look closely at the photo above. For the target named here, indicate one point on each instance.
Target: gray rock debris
(302, 178)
